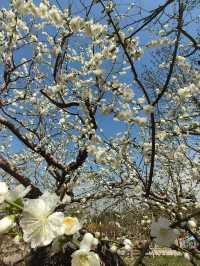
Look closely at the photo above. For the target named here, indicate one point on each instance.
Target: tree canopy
(100, 105)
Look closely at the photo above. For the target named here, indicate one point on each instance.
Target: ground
(163, 261)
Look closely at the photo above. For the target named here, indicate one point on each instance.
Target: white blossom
(6, 224)
(39, 223)
(187, 256)
(83, 256)
(19, 192)
(75, 24)
(113, 248)
(148, 108)
(192, 224)
(71, 225)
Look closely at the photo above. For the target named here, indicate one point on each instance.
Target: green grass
(163, 261)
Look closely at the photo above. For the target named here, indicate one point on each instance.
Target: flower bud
(97, 234)
(113, 248)
(192, 224)
(187, 256)
(6, 224)
(17, 239)
(127, 242)
(87, 242)
(127, 247)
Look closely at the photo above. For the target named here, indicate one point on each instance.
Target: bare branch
(14, 172)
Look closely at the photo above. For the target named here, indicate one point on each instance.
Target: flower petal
(56, 221)
(51, 200)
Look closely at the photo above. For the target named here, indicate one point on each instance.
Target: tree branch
(59, 104)
(171, 68)
(148, 19)
(14, 172)
(39, 150)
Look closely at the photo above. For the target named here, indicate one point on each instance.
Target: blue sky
(106, 122)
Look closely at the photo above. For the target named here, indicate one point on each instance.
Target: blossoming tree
(99, 101)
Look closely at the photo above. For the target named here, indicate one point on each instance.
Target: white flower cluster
(188, 91)
(44, 10)
(133, 48)
(51, 14)
(41, 224)
(160, 42)
(124, 248)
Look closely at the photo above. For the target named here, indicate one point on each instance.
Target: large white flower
(71, 225)
(163, 233)
(39, 224)
(84, 258)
